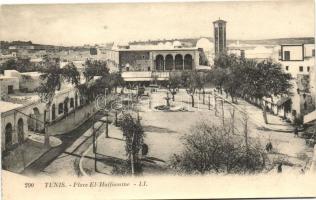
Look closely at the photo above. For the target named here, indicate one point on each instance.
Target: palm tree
(53, 76)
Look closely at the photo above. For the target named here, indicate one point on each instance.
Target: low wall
(72, 120)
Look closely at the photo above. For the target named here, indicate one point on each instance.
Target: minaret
(219, 36)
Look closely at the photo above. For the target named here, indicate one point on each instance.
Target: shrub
(133, 131)
(212, 148)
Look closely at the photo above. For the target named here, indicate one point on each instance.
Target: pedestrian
(296, 132)
(269, 146)
(144, 149)
(280, 168)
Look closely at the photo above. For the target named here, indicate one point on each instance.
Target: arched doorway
(53, 112)
(20, 131)
(71, 103)
(188, 62)
(159, 63)
(36, 121)
(8, 135)
(169, 62)
(178, 62)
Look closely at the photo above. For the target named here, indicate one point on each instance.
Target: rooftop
(6, 106)
(7, 77)
(159, 49)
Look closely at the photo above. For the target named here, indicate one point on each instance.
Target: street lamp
(106, 114)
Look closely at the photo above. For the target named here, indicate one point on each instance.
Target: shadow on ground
(157, 129)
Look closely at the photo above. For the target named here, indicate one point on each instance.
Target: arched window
(169, 62)
(8, 135)
(60, 108)
(159, 63)
(188, 62)
(178, 62)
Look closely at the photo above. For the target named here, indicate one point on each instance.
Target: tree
(203, 80)
(191, 81)
(113, 81)
(224, 74)
(97, 79)
(266, 79)
(52, 78)
(19, 64)
(95, 68)
(8, 65)
(134, 134)
(245, 77)
(211, 148)
(173, 84)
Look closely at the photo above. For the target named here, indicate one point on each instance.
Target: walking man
(296, 132)
(280, 168)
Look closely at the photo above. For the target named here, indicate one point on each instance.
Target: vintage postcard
(158, 100)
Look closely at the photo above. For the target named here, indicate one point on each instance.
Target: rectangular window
(313, 52)
(308, 68)
(148, 68)
(127, 69)
(287, 55)
(301, 68)
(10, 89)
(287, 68)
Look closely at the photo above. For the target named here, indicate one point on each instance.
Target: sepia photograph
(158, 100)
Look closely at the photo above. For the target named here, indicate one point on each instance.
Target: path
(67, 140)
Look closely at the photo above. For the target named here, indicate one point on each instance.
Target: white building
(298, 60)
(22, 110)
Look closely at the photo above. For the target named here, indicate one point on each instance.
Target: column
(182, 62)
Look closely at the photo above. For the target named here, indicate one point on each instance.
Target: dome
(177, 44)
(168, 44)
(120, 45)
(205, 44)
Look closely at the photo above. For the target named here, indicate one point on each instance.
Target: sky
(78, 24)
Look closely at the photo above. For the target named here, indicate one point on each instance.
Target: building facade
(148, 62)
(298, 60)
(22, 111)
